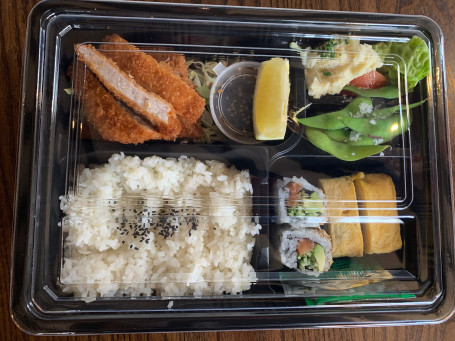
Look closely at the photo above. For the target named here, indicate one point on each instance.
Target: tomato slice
(370, 80)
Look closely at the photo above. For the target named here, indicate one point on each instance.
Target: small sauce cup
(231, 100)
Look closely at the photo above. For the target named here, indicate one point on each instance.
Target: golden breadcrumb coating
(125, 88)
(110, 119)
(154, 76)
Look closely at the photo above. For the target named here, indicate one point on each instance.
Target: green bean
(340, 150)
(385, 128)
(388, 92)
(333, 120)
(338, 135)
(339, 119)
(355, 138)
(356, 131)
(389, 111)
(351, 137)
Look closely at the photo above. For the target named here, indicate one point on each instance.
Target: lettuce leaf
(415, 55)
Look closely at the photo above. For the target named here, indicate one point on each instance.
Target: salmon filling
(311, 256)
(303, 203)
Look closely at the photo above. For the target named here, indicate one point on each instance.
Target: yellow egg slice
(271, 96)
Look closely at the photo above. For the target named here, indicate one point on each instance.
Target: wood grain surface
(13, 15)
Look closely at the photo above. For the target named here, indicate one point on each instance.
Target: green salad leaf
(415, 54)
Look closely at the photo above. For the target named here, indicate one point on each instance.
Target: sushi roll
(308, 250)
(299, 203)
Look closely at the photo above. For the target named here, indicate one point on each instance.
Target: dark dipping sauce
(237, 103)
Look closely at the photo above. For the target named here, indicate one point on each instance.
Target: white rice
(204, 247)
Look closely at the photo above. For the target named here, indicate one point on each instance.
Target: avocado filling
(310, 205)
(313, 259)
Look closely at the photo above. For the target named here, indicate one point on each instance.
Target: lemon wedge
(270, 103)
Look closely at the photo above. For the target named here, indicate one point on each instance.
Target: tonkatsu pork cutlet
(111, 120)
(175, 60)
(148, 104)
(156, 77)
(192, 131)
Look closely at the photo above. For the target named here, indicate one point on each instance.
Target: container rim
(31, 319)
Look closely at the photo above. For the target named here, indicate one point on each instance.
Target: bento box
(191, 167)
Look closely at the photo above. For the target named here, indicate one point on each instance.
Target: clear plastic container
(165, 223)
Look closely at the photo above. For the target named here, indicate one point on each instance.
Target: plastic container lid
(162, 220)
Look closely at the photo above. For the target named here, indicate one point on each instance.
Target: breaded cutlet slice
(156, 77)
(175, 60)
(106, 115)
(148, 104)
(192, 131)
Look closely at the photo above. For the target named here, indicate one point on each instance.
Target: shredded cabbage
(203, 76)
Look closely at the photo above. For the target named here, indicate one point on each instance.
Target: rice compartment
(150, 231)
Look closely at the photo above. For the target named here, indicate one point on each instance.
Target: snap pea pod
(333, 120)
(336, 120)
(389, 111)
(351, 137)
(388, 92)
(386, 128)
(341, 150)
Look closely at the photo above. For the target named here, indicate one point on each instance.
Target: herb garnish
(328, 48)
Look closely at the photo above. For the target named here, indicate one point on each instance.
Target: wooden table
(12, 34)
